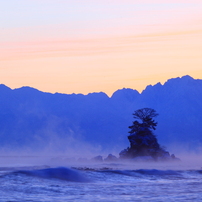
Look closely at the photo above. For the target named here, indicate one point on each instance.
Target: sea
(23, 180)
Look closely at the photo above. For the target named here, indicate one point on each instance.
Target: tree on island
(142, 140)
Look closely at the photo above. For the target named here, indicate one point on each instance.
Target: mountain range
(35, 120)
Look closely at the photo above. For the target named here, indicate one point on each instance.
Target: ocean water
(112, 181)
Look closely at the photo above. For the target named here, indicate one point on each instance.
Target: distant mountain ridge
(31, 119)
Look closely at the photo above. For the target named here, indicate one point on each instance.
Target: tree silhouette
(145, 115)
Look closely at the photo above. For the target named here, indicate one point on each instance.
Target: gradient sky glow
(85, 46)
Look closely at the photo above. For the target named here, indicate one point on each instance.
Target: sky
(84, 46)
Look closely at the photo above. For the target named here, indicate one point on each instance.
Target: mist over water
(81, 155)
(60, 178)
(70, 174)
(47, 148)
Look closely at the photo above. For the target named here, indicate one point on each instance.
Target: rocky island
(143, 142)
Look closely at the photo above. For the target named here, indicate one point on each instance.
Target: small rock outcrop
(111, 157)
(98, 158)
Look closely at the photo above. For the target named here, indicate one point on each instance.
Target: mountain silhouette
(33, 119)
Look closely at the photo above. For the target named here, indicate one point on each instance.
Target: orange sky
(93, 46)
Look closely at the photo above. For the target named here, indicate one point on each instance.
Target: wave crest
(61, 173)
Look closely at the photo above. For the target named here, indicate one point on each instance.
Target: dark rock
(111, 157)
(98, 158)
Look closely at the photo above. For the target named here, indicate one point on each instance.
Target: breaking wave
(61, 173)
(144, 172)
(87, 174)
(148, 173)
(157, 172)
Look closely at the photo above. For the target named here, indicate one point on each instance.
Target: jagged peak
(170, 82)
(157, 86)
(185, 78)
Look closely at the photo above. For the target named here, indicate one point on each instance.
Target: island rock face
(143, 143)
(145, 148)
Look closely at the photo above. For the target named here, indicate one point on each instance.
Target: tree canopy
(146, 115)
